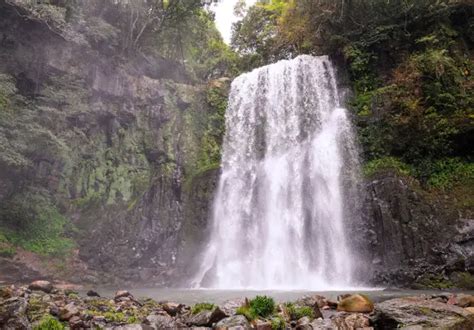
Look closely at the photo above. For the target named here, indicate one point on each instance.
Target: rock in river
(420, 311)
(356, 303)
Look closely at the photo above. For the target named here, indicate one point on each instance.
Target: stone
(356, 304)
(44, 286)
(92, 293)
(122, 294)
(236, 322)
(172, 308)
(470, 309)
(304, 323)
(419, 311)
(262, 325)
(312, 300)
(230, 306)
(346, 321)
(133, 327)
(465, 300)
(75, 322)
(160, 321)
(207, 318)
(68, 311)
(13, 313)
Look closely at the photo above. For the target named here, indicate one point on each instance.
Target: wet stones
(44, 286)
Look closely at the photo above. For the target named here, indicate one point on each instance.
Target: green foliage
(200, 307)
(387, 163)
(262, 306)
(248, 312)
(32, 221)
(296, 312)
(445, 173)
(278, 323)
(49, 323)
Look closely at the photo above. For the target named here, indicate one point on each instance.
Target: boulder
(312, 300)
(236, 322)
(172, 308)
(160, 321)
(13, 313)
(419, 311)
(346, 321)
(230, 306)
(44, 286)
(92, 293)
(207, 318)
(122, 294)
(304, 323)
(68, 311)
(465, 300)
(356, 303)
(262, 325)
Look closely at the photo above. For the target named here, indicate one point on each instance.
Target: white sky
(225, 17)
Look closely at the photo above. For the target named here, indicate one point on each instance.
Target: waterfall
(289, 166)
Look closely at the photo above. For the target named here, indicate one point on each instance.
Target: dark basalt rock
(408, 233)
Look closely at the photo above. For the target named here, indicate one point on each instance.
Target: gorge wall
(101, 153)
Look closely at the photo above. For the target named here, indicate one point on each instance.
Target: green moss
(434, 282)
(296, 312)
(463, 280)
(384, 164)
(202, 307)
(49, 323)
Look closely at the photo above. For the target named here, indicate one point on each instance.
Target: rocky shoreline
(41, 306)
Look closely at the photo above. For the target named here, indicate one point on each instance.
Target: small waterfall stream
(279, 219)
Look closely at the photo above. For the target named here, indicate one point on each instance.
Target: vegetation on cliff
(410, 65)
(106, 107)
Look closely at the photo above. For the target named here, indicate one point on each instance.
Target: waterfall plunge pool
(191, 296)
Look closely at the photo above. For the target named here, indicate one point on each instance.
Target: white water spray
(279, 212)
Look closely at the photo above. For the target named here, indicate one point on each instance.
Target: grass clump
(247, 312)
(278, 323)
(49, 323)
(296, 312)
(198, 308)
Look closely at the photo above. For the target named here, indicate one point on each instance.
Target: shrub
(49, 323)
(278, 323)
(202, 307)
(386, 163)
(262, 306)
(296, 312)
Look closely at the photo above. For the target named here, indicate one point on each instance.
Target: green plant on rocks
(49, 323)
(296, 312)
(278, 323)
(260, 306)
(198, 308)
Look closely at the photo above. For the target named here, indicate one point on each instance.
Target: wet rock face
(114, 143)
(409, 232)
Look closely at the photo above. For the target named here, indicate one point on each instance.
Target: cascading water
(279, 212)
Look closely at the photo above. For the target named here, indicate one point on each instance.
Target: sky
(225, 17)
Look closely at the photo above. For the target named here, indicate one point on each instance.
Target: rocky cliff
(98, 150)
